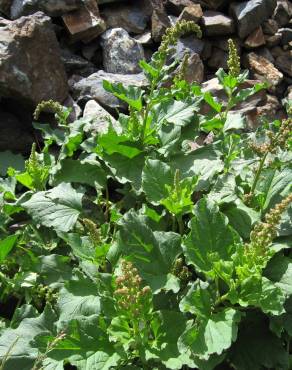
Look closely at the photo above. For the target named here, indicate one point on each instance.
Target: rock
(255, 39)
(263, 69)
(272, 109)
(5, 7)
(277, 51)
(76, 64)
(175, 7)
(84, 24)
(172, 19)
(270, 27)
(191, 13)
(250, 14)
(213, 4)
(121, 53)
(189, 44)
(76, 110)
(283, 12)
(144, 39)
(131, 17)
(89, 50)
(195, 69)
(52, 8)
(218, 59)
(265, 52)
(99, 119)
(91, 87)
(13, 135)
(273, 40)
(108, 1)
(159, 20)
(215, 23)
(222, 44)
(31, 69)
(283, 62)
(286, 35)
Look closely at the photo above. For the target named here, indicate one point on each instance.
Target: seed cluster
(172, 34)
(180, 270)
(49, 105)
(93, 231)
(264, 233)
(233, 59)
(275, 140)
(129, 294)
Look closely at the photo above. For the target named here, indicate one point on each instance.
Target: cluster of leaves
(160, 243)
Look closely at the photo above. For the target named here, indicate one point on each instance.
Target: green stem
(180, 224)
(258, 173)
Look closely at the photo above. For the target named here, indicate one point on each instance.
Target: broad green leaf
(9, 159)
(6, 245)
(156, 174)
(234, 121)
(17, 342)
(58, 208)
(153, 253)
(279, 270)
(212, 102)
(257, 347)
(78, 298)
(210, 238)
(131, 95)
(224, 189)
(173, 111)
(80, 171)
(212, 335)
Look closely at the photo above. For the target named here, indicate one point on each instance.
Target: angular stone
(144, 39)
(75, 64)
(92, 87)
(189, 44)
(250, 14)
(31, 69)
(255, 39)
(121, 53)
(159, 20)
(131, 17)
(286, 35)
(218, 59)
(212, 4)
(5, 7)
(284, 63)
(191, 13)
(177, 6)
(283, 12)
(263, 69)
(216, 23)
(75, 109)
(85, 23)
(108, 1)
(99, 118)
(52, 8)
(194, 70)
(270, 27)
(273, 40)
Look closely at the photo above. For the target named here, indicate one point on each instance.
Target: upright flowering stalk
(233, 61)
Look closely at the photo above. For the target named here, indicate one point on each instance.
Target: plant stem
(258, 173)
(180, 224)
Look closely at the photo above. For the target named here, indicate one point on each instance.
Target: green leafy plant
(162, 242)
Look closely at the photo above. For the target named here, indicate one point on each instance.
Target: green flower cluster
(92, 230)
(37, 170)
(264, 233)
(233, 59)
(51, 106)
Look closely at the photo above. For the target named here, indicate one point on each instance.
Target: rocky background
(64, 49)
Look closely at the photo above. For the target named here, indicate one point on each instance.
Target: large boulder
(217, 24)
(121, 53)
(31, 69)
(50, 7)
(251, 14)
(5, 7)
(92, 87)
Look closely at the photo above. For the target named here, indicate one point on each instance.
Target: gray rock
(213, 4)
(121, 53)
(131, 17)
(75, 109)
(189, 44)
(75, 64)
(50, 7)
(92, 87)
(195, 69)
(286, 35)
(99, 118)
(250, 14)
(31, 69)
(191, 13)
(218, 59)
(270, 27)
(177, 6)
(283, 62)
(273, 40)
(255, 39)
(283, 12)
(144, 39)
(159, 20)
(108, 1)
(13, 135)
(216, 23)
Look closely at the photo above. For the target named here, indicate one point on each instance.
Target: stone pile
(64, 49)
